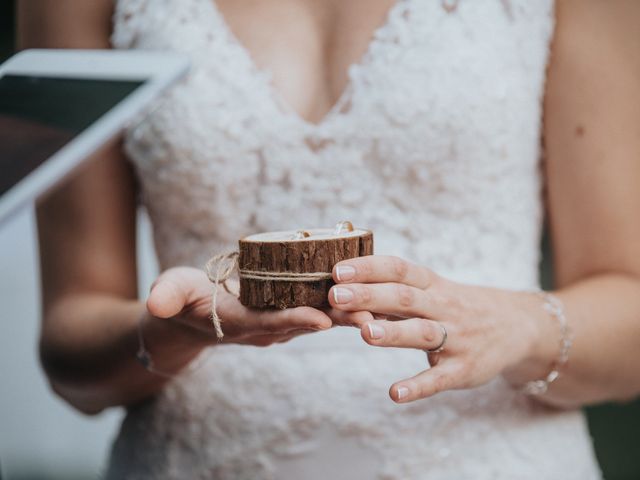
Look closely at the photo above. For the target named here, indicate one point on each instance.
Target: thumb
(173, 290)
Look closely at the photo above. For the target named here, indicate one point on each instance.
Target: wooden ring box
(293, 268)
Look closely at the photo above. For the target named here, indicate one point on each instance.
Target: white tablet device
(57, 107)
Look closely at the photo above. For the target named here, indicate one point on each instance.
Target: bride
(423, 120)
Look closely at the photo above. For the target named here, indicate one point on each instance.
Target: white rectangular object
(57, 107)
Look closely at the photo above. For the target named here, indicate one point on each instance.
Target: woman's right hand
(183, 295)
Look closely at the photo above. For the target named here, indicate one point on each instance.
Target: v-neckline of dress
(339, 108)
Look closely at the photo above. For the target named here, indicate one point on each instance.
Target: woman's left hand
(489, 331)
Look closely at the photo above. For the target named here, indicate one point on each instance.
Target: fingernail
(342, 295)
(402, 392)
(376, 331)
(345, 272)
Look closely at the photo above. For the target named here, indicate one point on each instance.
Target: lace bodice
(435, 146)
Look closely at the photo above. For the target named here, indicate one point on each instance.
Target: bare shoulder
(599, 24)
(595, 49)
(64, 23)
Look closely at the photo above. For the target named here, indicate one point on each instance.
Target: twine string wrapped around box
(220, 267)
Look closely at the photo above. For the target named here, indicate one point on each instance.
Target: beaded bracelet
(553, 305)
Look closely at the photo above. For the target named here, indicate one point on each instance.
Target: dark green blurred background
(615, 428)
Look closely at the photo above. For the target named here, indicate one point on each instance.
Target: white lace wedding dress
(435, 146)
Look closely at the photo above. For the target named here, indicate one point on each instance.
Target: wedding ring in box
(293, 268)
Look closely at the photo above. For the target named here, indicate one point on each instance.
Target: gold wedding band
(440, 347)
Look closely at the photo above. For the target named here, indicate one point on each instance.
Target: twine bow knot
(219, 268)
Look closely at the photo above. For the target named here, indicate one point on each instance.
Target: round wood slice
(285, 252)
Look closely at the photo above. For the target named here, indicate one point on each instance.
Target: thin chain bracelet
(143, 356)
(554, 306)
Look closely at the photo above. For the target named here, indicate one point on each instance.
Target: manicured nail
(376, 331)
(402, 392)
(342, 295)
(345, 272)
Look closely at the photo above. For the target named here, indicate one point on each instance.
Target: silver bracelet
(143, 356)
(553, 305)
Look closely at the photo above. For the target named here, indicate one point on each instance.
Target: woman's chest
(306, 58)
(440, 85)
(433, 92)
(306, 45)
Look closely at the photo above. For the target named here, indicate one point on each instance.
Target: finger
(266, 339)
(390, 299)
(381, 269)
(293, 319)
(411, 333)
(381, 316)
(346, 318)
(174, 289)
(446, 376)
(433, 358)
(243, 320)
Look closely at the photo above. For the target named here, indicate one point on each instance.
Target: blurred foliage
(615, 428)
